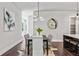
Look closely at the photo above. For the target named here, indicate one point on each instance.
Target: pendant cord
(38, 8)
(77, 8)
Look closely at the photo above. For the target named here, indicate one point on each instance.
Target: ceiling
(66, 6)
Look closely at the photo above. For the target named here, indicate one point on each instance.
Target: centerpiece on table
(39, 30)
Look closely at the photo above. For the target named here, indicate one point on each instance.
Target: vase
(39, 34)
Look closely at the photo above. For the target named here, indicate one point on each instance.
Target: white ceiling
(47, 5)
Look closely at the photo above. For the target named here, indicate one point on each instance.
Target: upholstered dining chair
(44, 43)
(44, 38)
(27, 37)
(26, 40)
(50, 40)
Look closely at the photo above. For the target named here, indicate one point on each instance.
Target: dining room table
(37, 45)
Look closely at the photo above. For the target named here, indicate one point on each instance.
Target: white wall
(62, 18)
(9, 39)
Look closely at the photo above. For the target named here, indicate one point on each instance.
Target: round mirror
(52, 24)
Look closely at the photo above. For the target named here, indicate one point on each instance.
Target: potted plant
(39, 30)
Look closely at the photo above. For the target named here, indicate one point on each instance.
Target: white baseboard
(57, 40)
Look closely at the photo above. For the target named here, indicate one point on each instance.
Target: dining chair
(44, 38)
(50, 40)
(44, 43)
(27, 37)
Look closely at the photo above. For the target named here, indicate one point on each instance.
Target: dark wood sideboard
(71, 43)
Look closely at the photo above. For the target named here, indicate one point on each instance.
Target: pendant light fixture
(77, 10)
(38, 17)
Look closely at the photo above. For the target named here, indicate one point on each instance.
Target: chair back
(26, 40)
(26, 36)
(44, 37)
(50, 37)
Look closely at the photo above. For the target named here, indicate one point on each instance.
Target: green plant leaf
(39, 30)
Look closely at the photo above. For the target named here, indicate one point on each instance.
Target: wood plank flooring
(59, 52)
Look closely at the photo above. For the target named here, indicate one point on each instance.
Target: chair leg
(25, 50)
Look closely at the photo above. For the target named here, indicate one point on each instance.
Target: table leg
(47, 47)
(28, 47)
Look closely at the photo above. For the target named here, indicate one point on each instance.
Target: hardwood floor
(59, 52)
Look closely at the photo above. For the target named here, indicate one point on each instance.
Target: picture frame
(9, 20)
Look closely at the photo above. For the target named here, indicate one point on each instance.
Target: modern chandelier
(38, 17)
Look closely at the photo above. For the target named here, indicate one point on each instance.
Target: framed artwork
(9, 20)
(52, 24)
